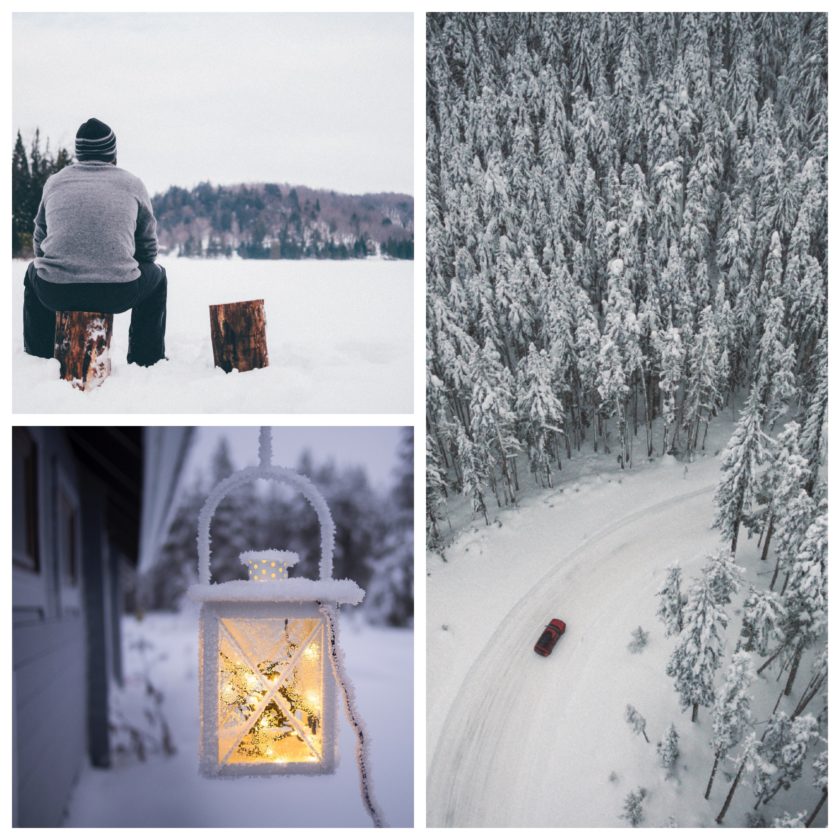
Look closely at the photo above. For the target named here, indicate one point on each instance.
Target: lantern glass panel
(271, 690)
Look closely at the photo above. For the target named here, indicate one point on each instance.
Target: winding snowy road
(531, 741)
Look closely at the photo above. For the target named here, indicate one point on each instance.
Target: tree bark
(734, 545)
(808, 695)
(237, 332)
(767, 535)
(694, 712)
(772, 659)
(776, 571)
(728, 800)
(712, 777)
(793, 669)
(82, 345)
(778, 700)
(817, 809)
(770, 796)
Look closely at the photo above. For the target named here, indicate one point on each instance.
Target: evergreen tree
(741, 460)
(638, 640)
(731, 711)
(435, 490)
(390, 590)
(633, 812)
(389, 597)
(699, 648)
(232, 525)
(29, 174)
(669, 348)
(812, 442)
(636, 721)
(761, 622)
(723, 576)
(702, 397)
(672, 601)
(805, 601)
(819, 676)
(774, 377)
(21, 202)
(821, 783)
(750, 758)
(613, 390)
(794, 520)
(783, 750)
(491, 414)
(668, 749)
(779, 485)
(474, 473)
(540, 412)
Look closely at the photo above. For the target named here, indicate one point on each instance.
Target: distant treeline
(273, 221)
(255, 221)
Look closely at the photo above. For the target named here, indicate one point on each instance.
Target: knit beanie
(95, 141)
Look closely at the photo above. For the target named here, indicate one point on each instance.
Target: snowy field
(339, 340)
(517, 740)
(379, 663)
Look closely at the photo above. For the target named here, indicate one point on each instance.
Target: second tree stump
(82, 347)
(237, 332)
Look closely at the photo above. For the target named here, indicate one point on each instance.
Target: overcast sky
(323, 100)
(372, 447)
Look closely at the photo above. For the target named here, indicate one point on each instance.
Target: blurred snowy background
(366, 475)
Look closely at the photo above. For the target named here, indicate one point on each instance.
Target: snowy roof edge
(344, 591)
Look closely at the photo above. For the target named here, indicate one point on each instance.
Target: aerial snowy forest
(627, 249)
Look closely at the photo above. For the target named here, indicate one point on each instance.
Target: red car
(553, 631)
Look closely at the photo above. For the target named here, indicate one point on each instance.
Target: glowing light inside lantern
(274, 565)
(271, 690)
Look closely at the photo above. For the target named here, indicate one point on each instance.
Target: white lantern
(266, 647)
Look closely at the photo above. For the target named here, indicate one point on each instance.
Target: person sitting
(95, 244)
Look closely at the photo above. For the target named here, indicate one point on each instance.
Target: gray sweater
(94, 225)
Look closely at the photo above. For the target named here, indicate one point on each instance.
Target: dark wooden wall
(65, 632)
(48, 636)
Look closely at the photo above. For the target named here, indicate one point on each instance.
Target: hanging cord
(265, 447)
(336, 659)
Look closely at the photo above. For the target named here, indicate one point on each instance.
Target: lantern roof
(290, 558)
(298, 589)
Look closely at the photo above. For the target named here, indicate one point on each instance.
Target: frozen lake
(340, 339)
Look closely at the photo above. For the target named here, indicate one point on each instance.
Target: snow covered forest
(626, 220)
(626, 235)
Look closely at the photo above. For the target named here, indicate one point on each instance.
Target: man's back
(94, 225)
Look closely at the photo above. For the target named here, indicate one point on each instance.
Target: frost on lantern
(268, 693)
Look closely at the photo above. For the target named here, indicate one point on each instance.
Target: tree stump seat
(237, 332)
(82, 347)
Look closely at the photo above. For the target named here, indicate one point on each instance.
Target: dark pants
(145, 297)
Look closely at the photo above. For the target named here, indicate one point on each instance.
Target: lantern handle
(281, 475)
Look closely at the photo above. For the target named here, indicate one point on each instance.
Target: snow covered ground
(339, 341)
(517, 740)
(169, 791)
